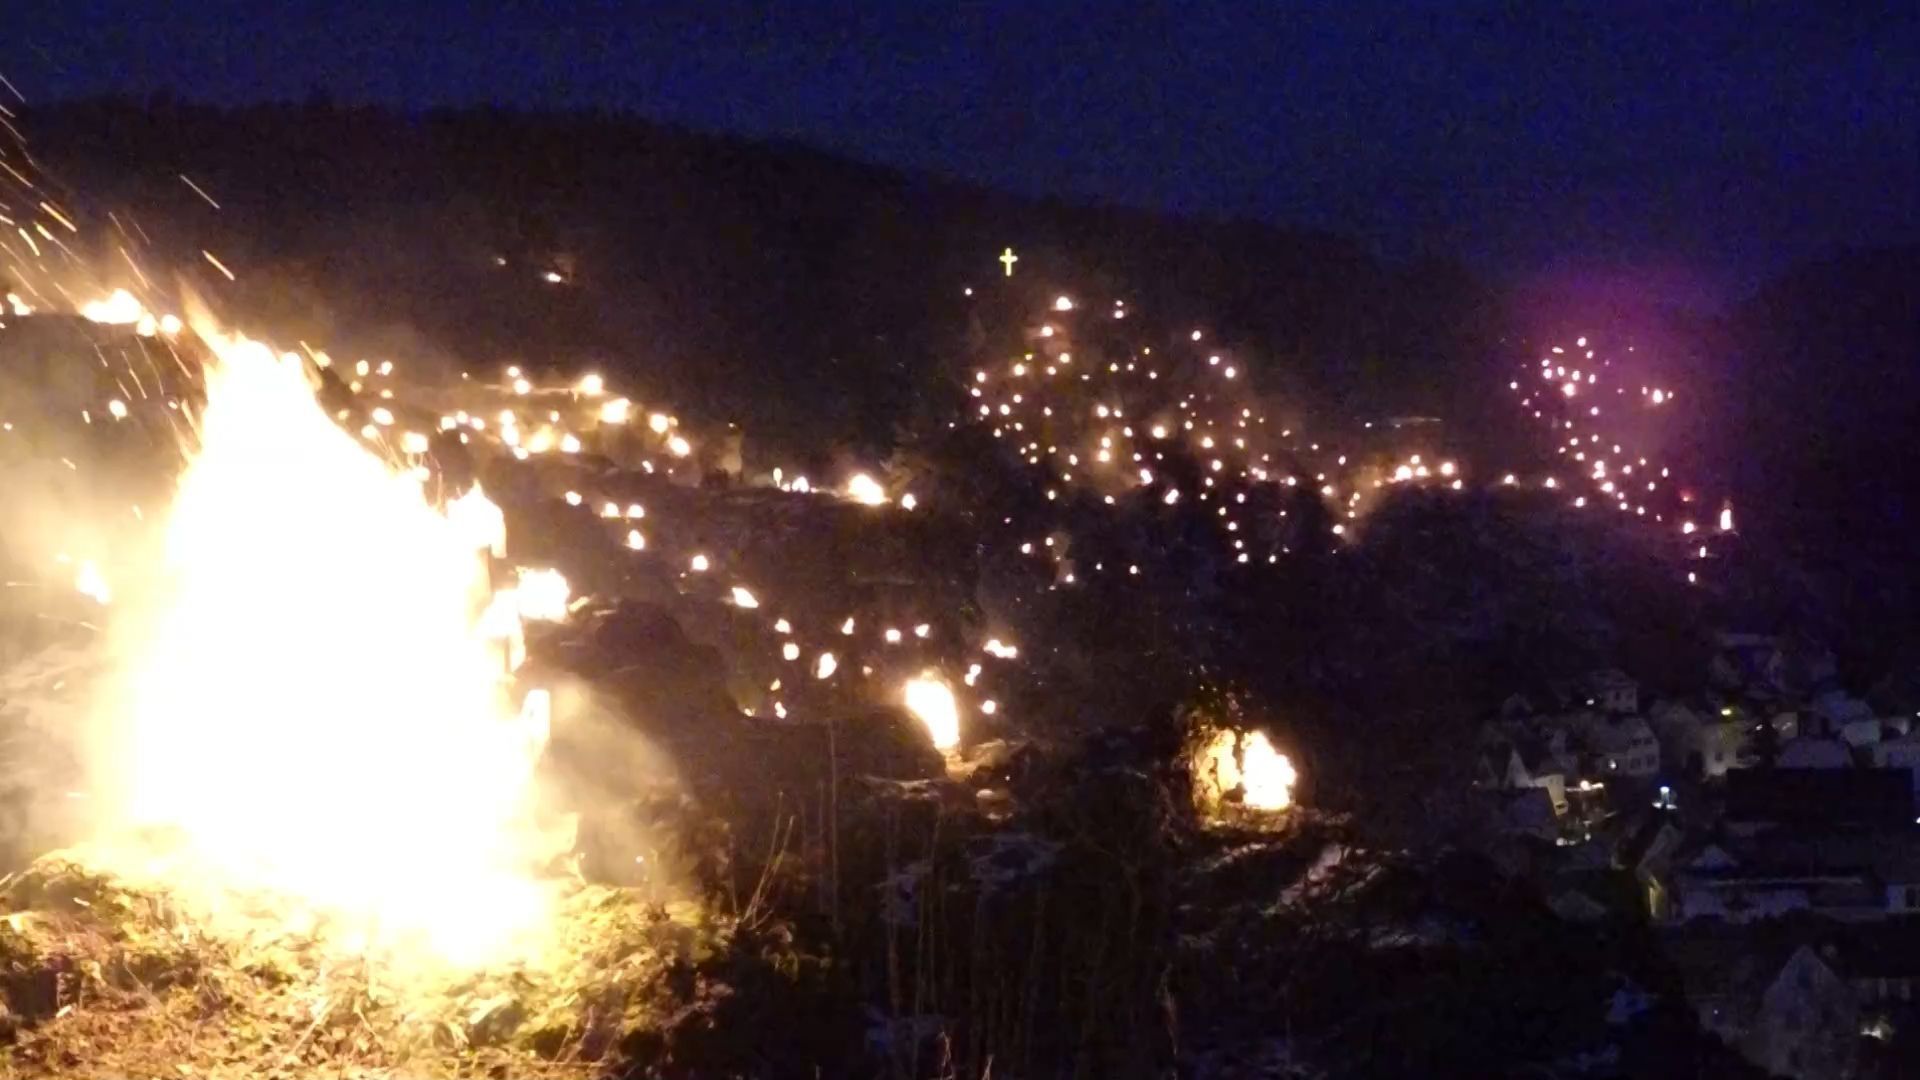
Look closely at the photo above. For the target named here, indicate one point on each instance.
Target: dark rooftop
(1881, 797)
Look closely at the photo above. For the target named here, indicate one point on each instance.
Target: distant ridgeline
(720, 267)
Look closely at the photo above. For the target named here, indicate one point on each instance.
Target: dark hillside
(717, 267)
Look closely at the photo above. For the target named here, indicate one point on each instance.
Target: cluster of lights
(1566, 390)
(1109, 422)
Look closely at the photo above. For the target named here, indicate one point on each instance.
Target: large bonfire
(317, 702)
(319, 838)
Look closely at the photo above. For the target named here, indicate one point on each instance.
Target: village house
(1808, 1021)
(1574, 904)
(1677, 725)
(1528, 760)
(1808, 1002)
(1900, 753)
(1861, 733)
(1808, 752)
(1899, 874)
(1701, 742)
(1767, 668)
(1647, 853)
(1528, 812)
(1752, 663)
(1839, 844)
(1500, 766)
(1882, 965)
(1624, 746)
(1723, 744)
(1737, 883)
(1760, 800)
(1516, 708)
(1613, 691)
(1783, 1007)
(1835, 712)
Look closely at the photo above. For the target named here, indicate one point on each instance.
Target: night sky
(1534, 139)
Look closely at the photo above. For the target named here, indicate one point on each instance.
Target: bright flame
(119, 309)
(1247, 762)
(931, 699)
(865, 490)
(92, 584)
(1265, 773)
(480, 524)
(314, 707)
(542, 595)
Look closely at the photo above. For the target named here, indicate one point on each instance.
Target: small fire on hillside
(1239, 770)
(1245, 766)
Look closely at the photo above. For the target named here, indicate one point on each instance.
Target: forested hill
(1819, 407)
(804, 295)
(817, 301)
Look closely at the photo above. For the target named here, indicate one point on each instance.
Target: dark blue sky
(1533, 138)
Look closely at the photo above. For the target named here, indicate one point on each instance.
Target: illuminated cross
(1007, 259)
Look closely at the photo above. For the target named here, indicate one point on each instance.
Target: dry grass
(105, 981)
